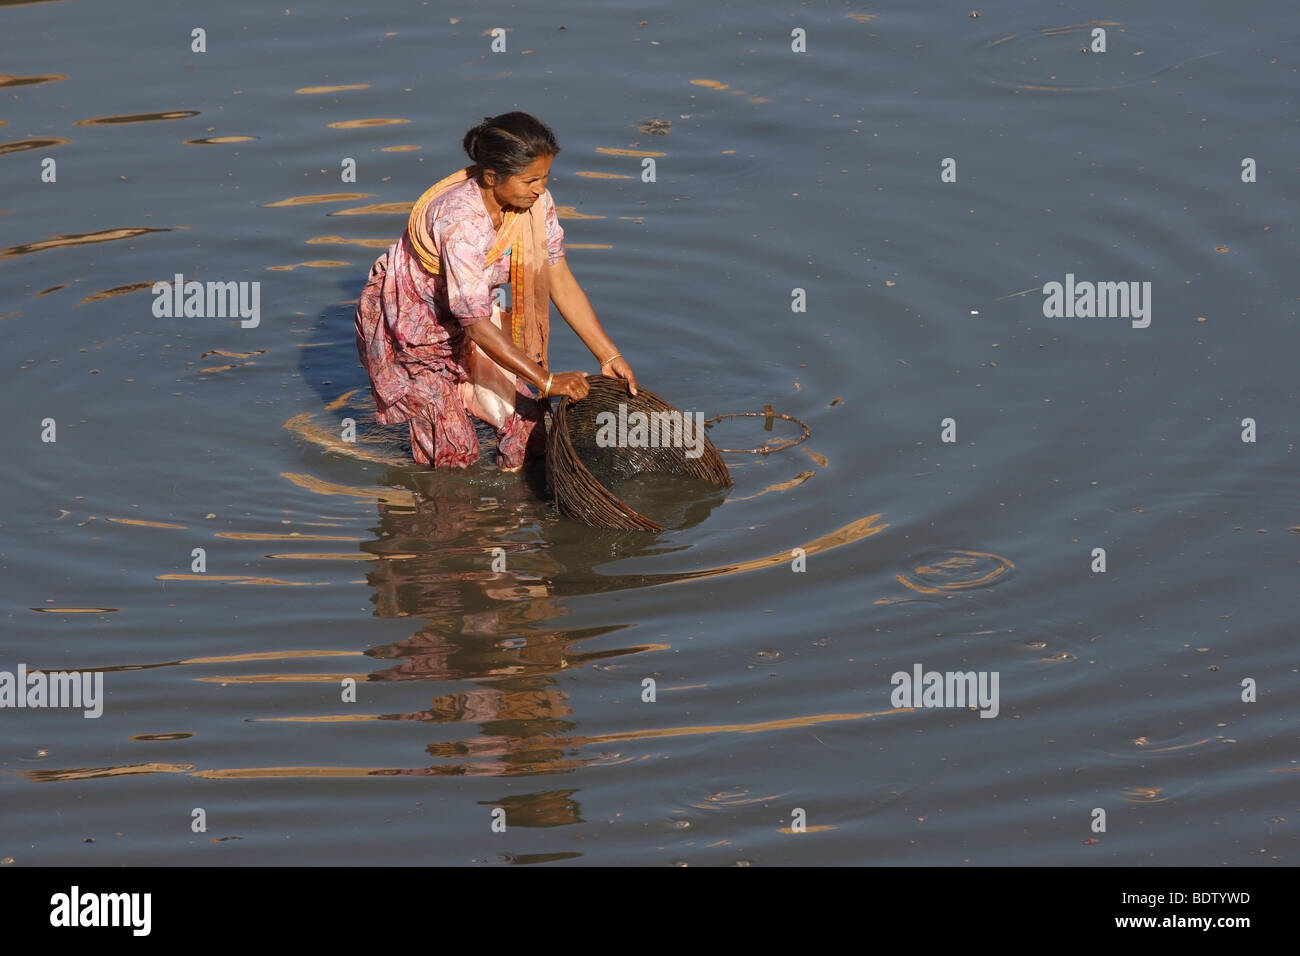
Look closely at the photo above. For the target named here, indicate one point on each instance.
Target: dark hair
(508, 143)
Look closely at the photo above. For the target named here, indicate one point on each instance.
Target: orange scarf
(524, 234)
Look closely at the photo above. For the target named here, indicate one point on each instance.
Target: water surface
(522, 688)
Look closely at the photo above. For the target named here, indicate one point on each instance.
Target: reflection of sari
(421, 294)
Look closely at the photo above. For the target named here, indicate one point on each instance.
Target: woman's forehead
(538, 167)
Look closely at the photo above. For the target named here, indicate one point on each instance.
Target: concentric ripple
(944, 570)
(1060, 59)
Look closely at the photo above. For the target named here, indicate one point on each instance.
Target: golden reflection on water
(95, 773)
(242, 579)
(218, 140)
(21, 145)
(332, 89)
(269, 773)
(614, 151)
(508, 755)
(286, 536)
(214, 369)
(721, 87)
(568, 212)
(347, 556)
(146, 524)
(116, 291)
(307, 430)
(78, 239)
(280, 678)
(266, 656)
(327, 437)
(362, 123)
(317, 198)
(9, 79)
(335, 405)
(797, 480)
(340, 240)
(313, 264)
(1060, 31)
(221, 659)
(378, 209)
(758, 727)
(846, 534)
(136, 118)
(77, 610)
(392, 496)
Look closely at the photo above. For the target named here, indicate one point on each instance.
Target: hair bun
(516, 139)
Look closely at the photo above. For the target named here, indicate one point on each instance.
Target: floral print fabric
(411, 339)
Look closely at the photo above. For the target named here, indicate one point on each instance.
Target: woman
(455, 318)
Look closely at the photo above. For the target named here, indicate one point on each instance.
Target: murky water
(500, 653)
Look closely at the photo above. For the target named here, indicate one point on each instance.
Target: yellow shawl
(524, 234)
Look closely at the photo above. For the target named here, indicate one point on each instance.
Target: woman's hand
(620, 369)
(572, 384)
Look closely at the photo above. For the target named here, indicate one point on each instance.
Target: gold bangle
(610, 359)
(546, 389)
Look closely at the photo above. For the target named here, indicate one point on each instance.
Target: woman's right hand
(572, 384)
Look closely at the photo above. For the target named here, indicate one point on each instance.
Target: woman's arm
(501, 350)
(577, 311)
(465, 270)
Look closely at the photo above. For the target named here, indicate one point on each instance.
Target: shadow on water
(328, 361)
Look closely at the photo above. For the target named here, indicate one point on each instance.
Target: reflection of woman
(454, 320)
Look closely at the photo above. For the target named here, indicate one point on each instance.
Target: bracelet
(610, 359)
(546, 389)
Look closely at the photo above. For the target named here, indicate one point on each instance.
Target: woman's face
(526, 186)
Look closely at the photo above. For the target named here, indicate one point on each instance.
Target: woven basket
(581, 471)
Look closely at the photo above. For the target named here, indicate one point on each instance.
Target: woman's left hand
(620, 369)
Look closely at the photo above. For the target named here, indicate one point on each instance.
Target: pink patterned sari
(410, 326)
